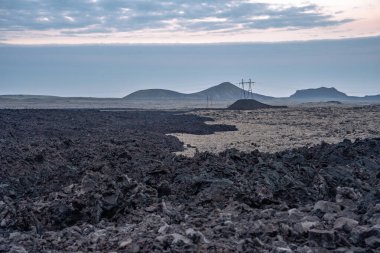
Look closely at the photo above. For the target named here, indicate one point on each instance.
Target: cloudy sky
(184, 21)
(109, 48)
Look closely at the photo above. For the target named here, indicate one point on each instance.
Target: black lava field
(109, 181)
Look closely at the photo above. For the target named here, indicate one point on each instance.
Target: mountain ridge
(225, 91)
(222, 91)
(229, 91)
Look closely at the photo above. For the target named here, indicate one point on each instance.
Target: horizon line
(188, 43)
(58, 96)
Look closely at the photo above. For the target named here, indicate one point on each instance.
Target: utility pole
(246, 93)
(242, 86)
(250, 88)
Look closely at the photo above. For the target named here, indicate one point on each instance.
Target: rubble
(80, 181)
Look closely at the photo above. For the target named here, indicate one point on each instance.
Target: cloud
(106, 16)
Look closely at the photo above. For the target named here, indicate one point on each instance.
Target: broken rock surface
(88, 181)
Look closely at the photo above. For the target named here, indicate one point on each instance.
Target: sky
(110, 48)
(184, 21)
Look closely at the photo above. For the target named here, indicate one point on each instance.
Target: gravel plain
(273, 130)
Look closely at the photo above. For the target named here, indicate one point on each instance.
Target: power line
(246, 93)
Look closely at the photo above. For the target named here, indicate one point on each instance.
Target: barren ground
(109, 181)
(272, 130)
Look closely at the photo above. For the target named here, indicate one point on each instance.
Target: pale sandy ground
(272, 130)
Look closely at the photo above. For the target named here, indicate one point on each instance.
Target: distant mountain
(320, 94)
(228, 91)
(155, 94)
(223, 91)
(324, 94)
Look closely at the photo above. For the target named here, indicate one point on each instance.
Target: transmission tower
(246, 93)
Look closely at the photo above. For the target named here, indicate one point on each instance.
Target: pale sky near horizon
(110, 48)
(183, 21)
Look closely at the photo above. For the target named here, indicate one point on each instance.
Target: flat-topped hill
(321, 93)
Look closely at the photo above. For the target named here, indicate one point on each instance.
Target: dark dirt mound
(98, 181)
(248, 104)
(334, 102)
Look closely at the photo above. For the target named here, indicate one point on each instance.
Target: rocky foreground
(91, 181)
